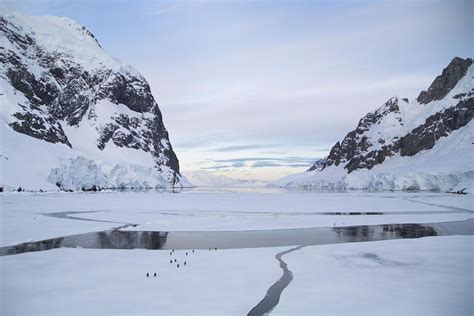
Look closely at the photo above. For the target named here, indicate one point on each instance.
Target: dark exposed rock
(134, 92)
(441, 86)
(436, 126)
(352, 150)
(37, 91)
(459, 96)
(41, 127)
(14, 35)
(462, 191)
(318, 165)
(83, 29)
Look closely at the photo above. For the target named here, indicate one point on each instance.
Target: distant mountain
(205, 179)
(424, 144)
(72, 116)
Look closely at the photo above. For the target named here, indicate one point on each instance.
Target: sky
(261, 89)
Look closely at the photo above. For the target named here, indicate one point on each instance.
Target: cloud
(227, 88)
(260, 164)
(215, 167)
(192, 142)
(238, 164)
(277, 159)
(242, 148)
(318, 92)
(161, 11)
(248, 163)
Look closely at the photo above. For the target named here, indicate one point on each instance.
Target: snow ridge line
(272, 297)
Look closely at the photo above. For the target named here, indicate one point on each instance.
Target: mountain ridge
(59, 86)
(399, 128)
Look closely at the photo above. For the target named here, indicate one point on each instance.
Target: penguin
(185, 263)
(171, 253)
(174, 260)
(154, 275)
(193, 250)
(186, 253)
(147, 275)
(178, 265)
(171, 261)
(215, 248)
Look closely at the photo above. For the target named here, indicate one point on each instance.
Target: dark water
(314, 236)
(120, 239)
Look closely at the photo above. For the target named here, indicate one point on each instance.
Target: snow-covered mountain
(199, 178)
(423, 144)
(74, 117)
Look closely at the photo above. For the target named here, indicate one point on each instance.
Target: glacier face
(67, 100)
(423, 144)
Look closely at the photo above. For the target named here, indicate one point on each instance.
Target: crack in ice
(272, 297)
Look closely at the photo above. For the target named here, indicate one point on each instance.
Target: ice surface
(114, 282)
(427, 276)
(22, 221)
(430, 276)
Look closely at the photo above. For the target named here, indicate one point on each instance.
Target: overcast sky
(259, 89)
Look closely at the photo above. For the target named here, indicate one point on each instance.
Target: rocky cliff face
(404, 137)
(368, 145)
(445, 82)
(59, 86)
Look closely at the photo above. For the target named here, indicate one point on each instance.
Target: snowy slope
(423, 144)
(72, 116)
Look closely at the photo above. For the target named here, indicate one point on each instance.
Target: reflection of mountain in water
(117, 239)
(382, 232)
(110, 239)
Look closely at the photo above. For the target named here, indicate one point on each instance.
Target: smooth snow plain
(427, 276)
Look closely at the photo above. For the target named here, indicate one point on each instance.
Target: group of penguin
(175, 261)
(177, 264)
